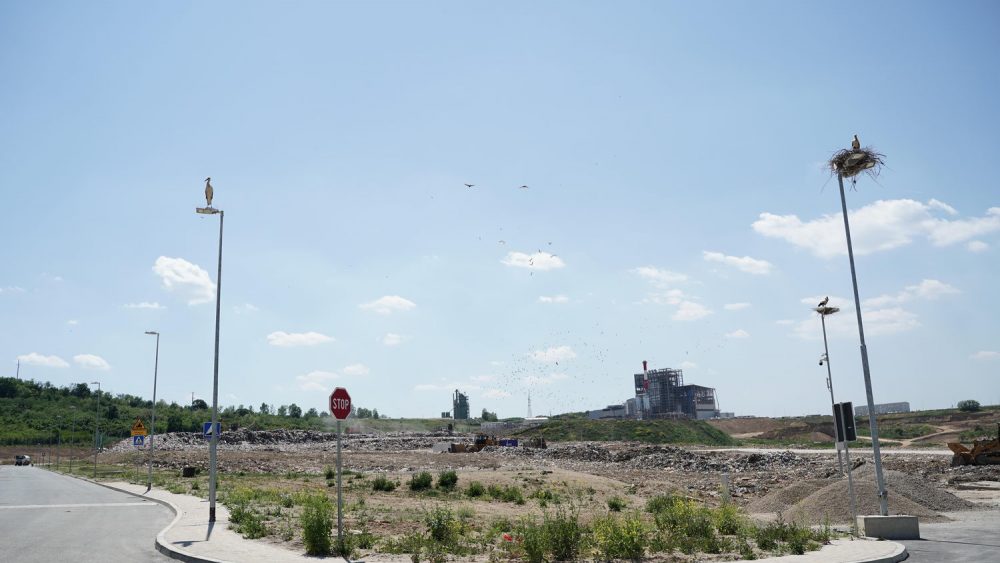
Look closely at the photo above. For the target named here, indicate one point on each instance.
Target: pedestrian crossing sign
(138, 441)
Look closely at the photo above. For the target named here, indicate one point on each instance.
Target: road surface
(972, 537)
(45, 516)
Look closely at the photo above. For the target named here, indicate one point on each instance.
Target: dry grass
(851, 162)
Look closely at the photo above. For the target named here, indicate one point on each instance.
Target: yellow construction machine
(982, 452)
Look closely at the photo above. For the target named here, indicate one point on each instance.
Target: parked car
(22, 460)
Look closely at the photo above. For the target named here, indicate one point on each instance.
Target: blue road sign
(138, 441)
(206, 429)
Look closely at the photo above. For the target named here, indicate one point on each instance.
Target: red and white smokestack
(644, 366)
(645, 377)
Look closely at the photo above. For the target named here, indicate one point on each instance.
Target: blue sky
(677, 208)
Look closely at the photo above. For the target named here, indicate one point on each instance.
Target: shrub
(621, 538)
(563, 535)
(447, 480)
(442, 525)
(728, 519)
(513, 494)
(532, 540)
(329, 473)
(968, 405)
(659, 503)
(247, 522)
(616, 504)
(421, 481)
(383, 483)
(687, 525)
(475, 489)
(317, 521)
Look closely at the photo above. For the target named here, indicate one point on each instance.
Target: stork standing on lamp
(209, 192)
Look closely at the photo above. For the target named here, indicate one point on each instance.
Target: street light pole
(97, 419)
(214, 443)
(883, 494)
(152, 426)
(823, 312)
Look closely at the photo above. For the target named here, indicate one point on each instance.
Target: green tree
(199, 405)
(265, 408)
(294, 411)
(969, 405)
(283, 410)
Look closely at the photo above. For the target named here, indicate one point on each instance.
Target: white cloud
(986, 355)
(735, 306)
(889, 321)
(690, 311)
(387, 304)
(553, 299)
(145, 305)
(880, 226)
(187, 279)
(495, 394)
(392, 339)
(316, 381)
(553, 354)
(738, 333)
(666, 297)
(289, 339)
(245, 309)
(977, 246)
(744, 264)
(784, 322)
(356, 369)
(658, 276)
(537, 261)
(12, 289)
(72, 322)
(926, 289)
(688, 365)
(90, 361)
(36, 359)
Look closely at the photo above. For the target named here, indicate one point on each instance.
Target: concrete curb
(160, 543)
(898, 555)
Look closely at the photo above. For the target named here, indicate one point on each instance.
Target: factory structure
(661, 393)
(460, 405)
(883, 408)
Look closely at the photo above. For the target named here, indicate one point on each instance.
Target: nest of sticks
(851, 162)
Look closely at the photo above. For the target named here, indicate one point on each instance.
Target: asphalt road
(972, 537)
(45, 516)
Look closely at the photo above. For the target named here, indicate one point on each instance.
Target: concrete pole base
(890, 527)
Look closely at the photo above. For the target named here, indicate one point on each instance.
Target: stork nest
(851, 162)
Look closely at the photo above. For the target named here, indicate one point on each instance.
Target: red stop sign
(340, 403)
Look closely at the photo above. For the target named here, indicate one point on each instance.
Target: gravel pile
(291, 440)
(820, 501)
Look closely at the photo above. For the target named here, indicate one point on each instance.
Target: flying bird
(469, 185)
(824, 301)
(209, 192)
(856, 144)
(523, 187)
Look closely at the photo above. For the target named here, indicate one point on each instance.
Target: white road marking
(78, 505)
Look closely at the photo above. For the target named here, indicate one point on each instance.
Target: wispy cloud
(188, 280)
(11, 289)
(537, 261)
(392, 339)
(245, 309)
(878, 227)
(553, 299)
(356, 370)
(317, 381)
(688, 365)
(145, 305)
(658, 275)
(290, 339)
(90, 361)
(977, 246)
(36, 359)
(553, 355)
(738, 334)
(72, 322)
(388, 304)
(744, 264)
(495, 394)
(735, 306)
(926, 289)
(986, 355)
(690, 311)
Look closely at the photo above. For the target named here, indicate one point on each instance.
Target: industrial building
(661, 393)
(883, 408)
(460, 405)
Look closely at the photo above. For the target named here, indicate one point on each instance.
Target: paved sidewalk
(190, 538)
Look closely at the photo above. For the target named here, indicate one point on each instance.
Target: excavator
(982, 452)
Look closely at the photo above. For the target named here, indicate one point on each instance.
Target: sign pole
(340, 498)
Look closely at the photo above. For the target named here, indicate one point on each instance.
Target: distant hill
(650, 431)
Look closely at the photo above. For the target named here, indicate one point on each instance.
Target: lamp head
(152, 332)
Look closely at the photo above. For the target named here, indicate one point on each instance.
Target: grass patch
(421, 481)
(475, 489)
(383, 483)
(649, 431)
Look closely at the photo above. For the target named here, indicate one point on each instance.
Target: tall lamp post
(214, 441)
(858, 161)
(152, 426)
(97, 418)
(823, 311)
